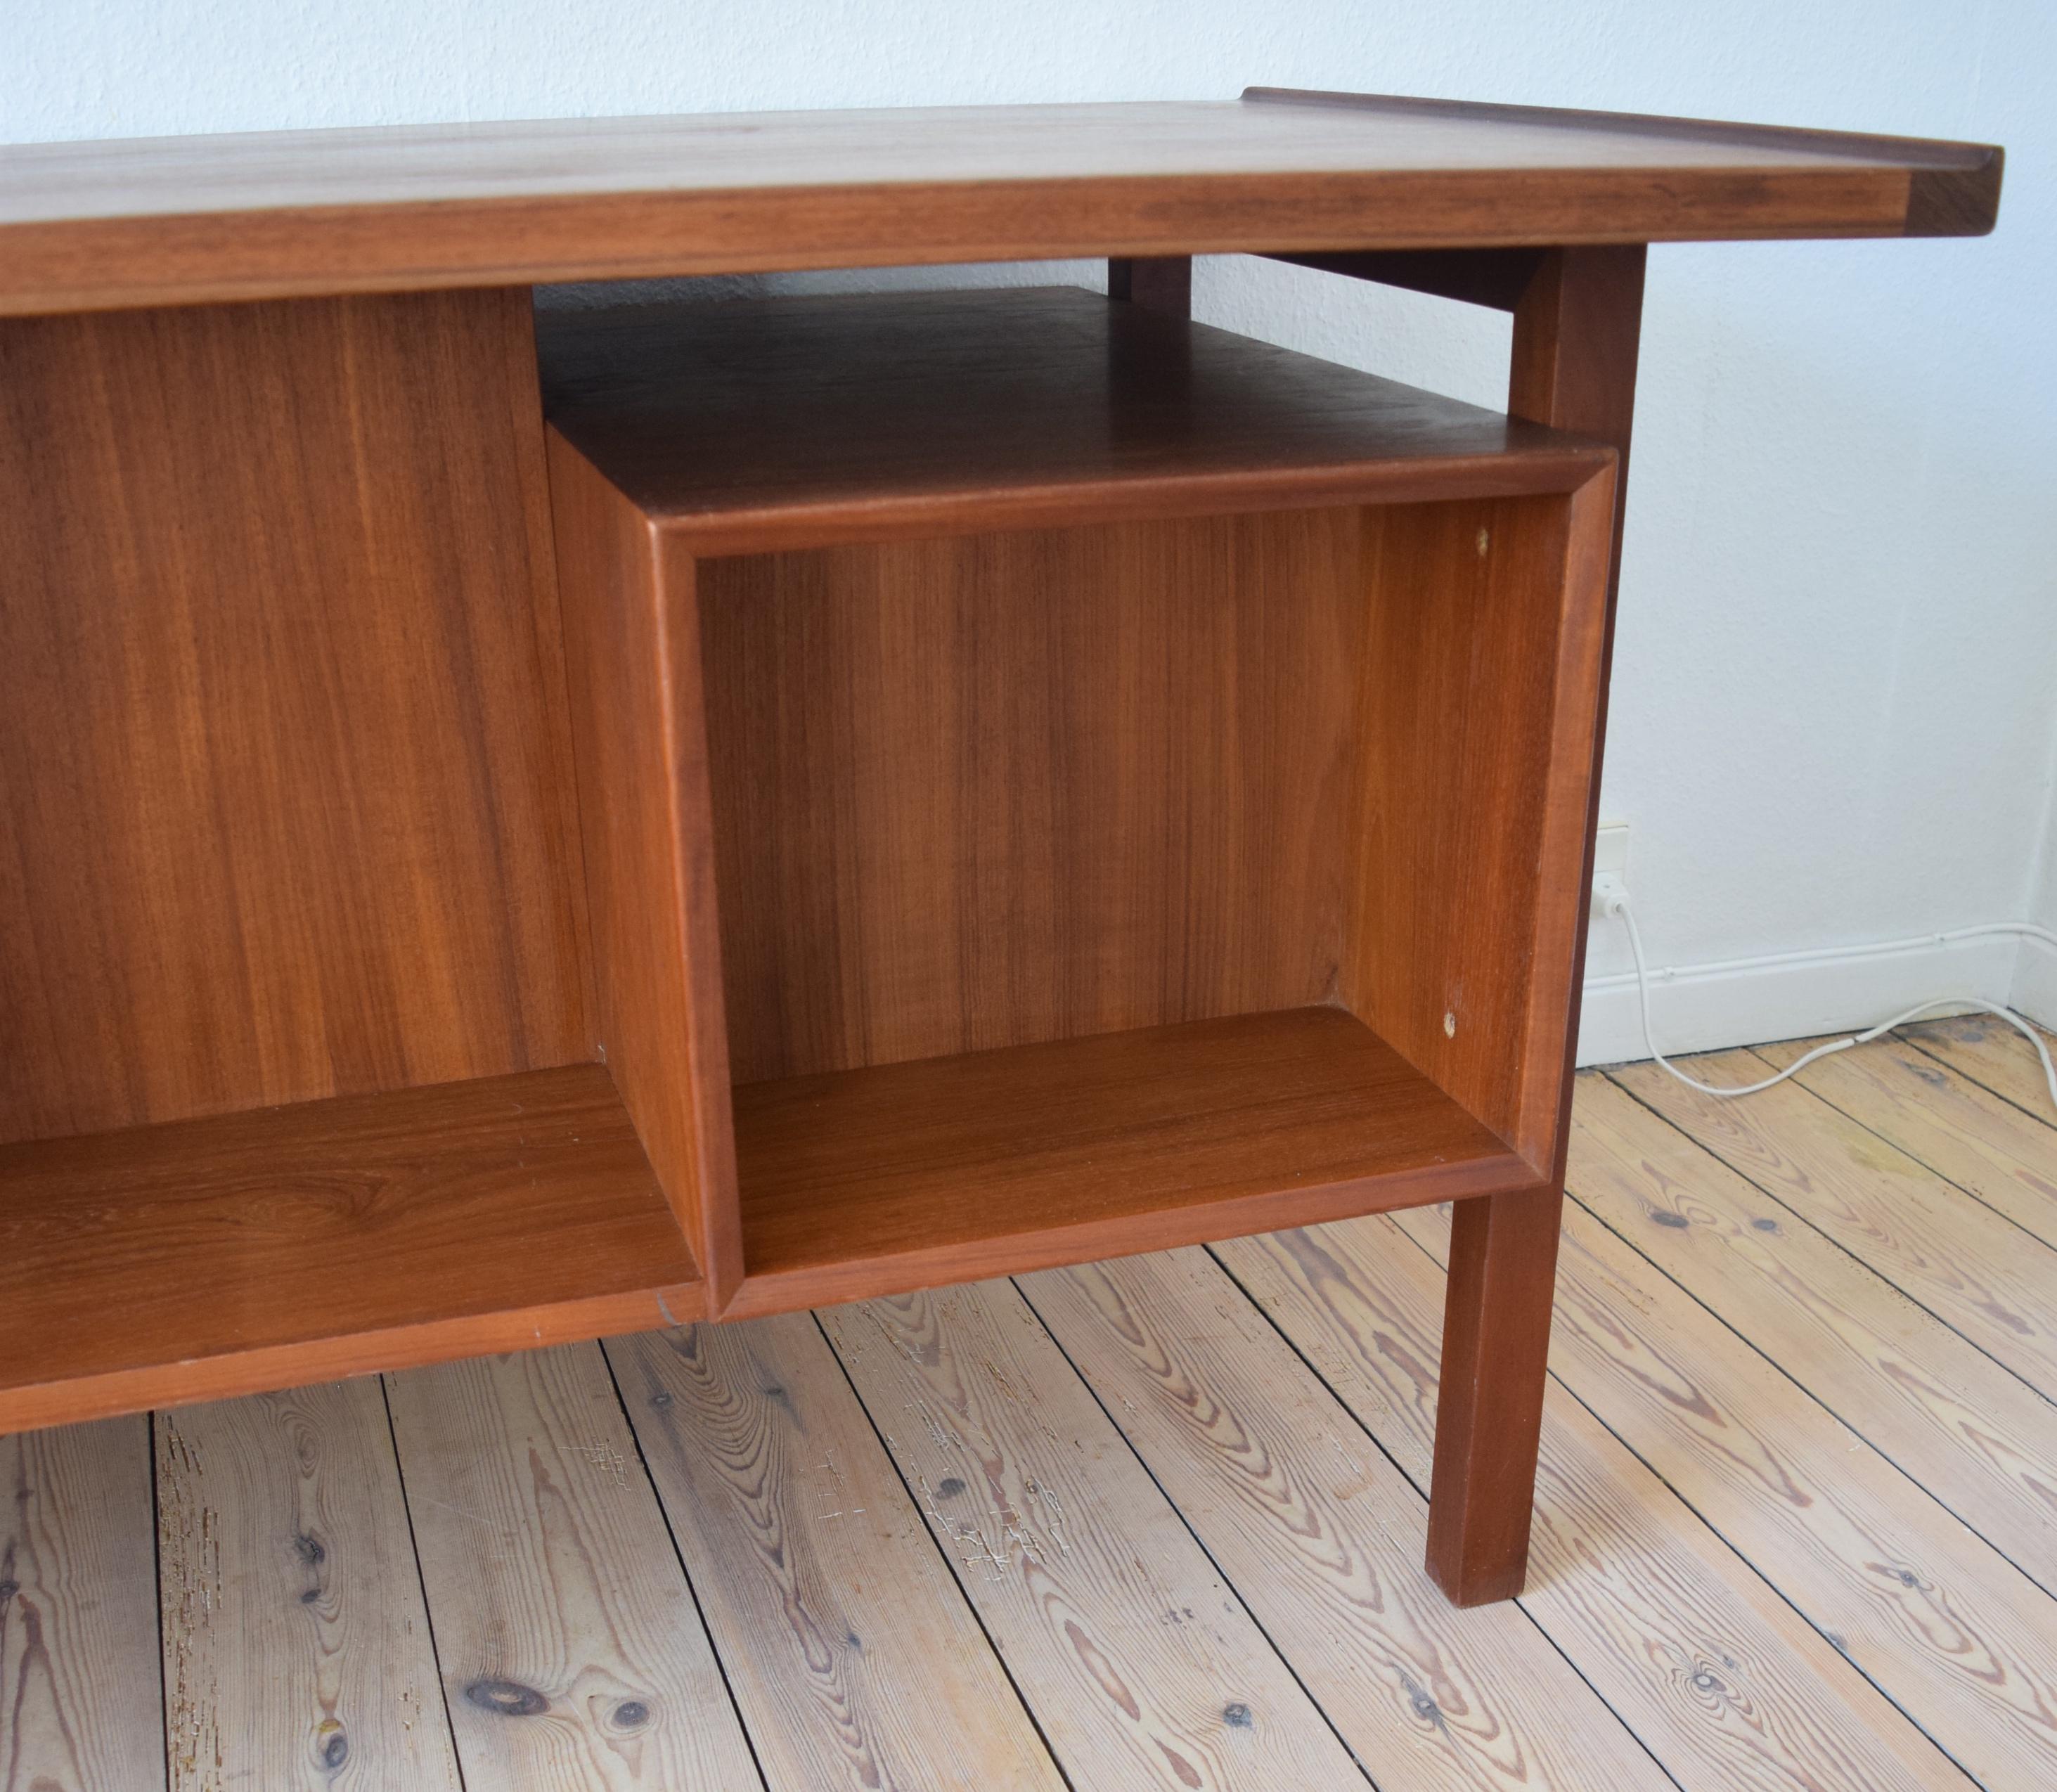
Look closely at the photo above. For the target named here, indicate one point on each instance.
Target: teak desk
(874, 791)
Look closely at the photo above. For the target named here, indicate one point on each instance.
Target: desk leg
(1489, 1405)
(1577, 322)
(1158, 283)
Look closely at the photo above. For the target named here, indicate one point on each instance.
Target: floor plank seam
(1714, 1530)
(157, 1569)
(1941, 1175)
(1199, 1542)
(421, 1580)
(1292, 1344)
(1921, 1045)
(1869, 1269)
(955, 1574)
(692, 1592)
(1851, 1425)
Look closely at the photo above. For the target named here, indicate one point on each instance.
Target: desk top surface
(143, 222)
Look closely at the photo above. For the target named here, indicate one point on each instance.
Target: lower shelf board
(213, 1256)
(905, 1175)
(167, 1264)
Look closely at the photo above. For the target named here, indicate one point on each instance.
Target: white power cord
(1611, 897)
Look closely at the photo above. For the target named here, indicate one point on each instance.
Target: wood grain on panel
(80, 1708)
(156, 221)
(1953, 188)
(852, 1655)
(1578, 325)
(282, 759)
(211, 1257)
(1577, 329)
(1945, 1627)
(1717, 1676)
(1496, 279)
(875, 1181)
(1480, 674)
(1488, 1425)
(632, 646)
(572, 1657)
(802, 421)
(1321, 1536)
(997, 789)
(1143, 1667)
(297, 1654)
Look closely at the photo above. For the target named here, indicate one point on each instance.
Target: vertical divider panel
(1564, 872)
(1476, 721)
(631, 629)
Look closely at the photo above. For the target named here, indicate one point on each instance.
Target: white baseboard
(1745, 1001)
(2034, 990)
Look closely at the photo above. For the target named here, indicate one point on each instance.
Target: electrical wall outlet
(1611, 849)
(1609, 870)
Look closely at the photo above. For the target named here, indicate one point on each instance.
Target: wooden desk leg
(1158, 283)
(1489, 1404)
(1577, 324)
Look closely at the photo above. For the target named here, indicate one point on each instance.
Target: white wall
(1833, 716)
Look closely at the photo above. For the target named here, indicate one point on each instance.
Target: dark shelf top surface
(86, 226)
(787, 421)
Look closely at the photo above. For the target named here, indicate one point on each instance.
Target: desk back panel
(283, 754)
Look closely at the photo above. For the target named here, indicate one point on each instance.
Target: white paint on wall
(1833, 717)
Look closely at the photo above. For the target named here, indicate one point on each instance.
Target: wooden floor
(1157, 1523)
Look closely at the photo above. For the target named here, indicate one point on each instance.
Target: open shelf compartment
(153, 1266)
(998, 1162)
(1059, 781)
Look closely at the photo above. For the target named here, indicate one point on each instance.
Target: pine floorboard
(1154, 1523)
(572, 1655)
(1977, 1271)
(80, 1688)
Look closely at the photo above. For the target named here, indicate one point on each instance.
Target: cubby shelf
(162, 1264)
(992, 1163)
(785, 423)
(994, 860)
(1060, 780)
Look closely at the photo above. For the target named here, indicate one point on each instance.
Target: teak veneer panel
(1481, 676)
(953, 1169)
(995, 789)
(976, 788)
(282, 751)
(84, 226)
(795, 423)
(211, 1257)
(633, 645)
